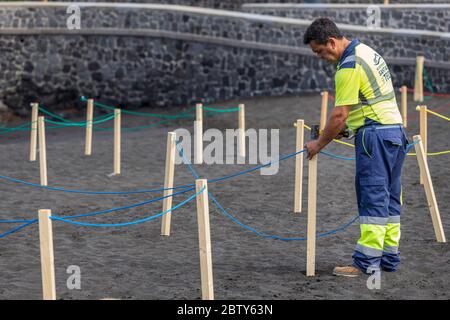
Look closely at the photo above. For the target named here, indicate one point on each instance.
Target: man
(365, 103)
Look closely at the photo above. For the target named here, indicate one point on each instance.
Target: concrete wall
(152, 55)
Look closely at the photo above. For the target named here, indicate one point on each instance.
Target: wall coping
(225, 14)
(433, 6)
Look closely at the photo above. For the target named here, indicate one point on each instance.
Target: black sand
(137, 263)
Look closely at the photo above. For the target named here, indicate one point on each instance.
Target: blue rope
(408, 147)
(15, 221)
(194, 173)
(187, 162)
(18, 228)
(29, 222)
(93, 192)
(127, 207)
(152, 190)
(179, 187)
(345, 226)
(255, 168)
(131, 222)
(336, 156)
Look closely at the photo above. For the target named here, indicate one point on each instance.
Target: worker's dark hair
(321, 30)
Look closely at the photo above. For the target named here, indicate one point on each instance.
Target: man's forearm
(335, 124)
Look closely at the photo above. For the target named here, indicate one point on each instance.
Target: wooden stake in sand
(423, 135)
(404, 105)
(89, 119)
(299, 166)
(204, 240)
(168, 182)
(324, 110)
(311, 229)
(312, 204)
(418, 83)
(429, 191)
(34, 125)
(47, 257)
(198, 134)
(117, 140)
(42, 151)
(241, 145)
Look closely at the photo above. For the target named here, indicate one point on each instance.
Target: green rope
(66, 124)
(134, 128)
(63, 123)
(181, 115)
(221, 110)
(80, 124)
(144, 114)
(18, 128)
(51, 114)
(130, 129)
(55, 127)
(428, 84)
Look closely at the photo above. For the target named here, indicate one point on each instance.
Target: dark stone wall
(433, 19)
(145, 72)
(134, 71)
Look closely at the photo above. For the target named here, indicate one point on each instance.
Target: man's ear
(332, 42)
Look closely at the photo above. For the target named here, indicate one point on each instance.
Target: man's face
(327, 52)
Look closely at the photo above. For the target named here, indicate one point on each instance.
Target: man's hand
(312, 147)
(335, 125)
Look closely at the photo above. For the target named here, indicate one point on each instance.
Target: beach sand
(136, 262)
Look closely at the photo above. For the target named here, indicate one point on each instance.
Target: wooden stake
(423, 135)
(324, 110)
(311, 229)
(198, 133)
(429, 191)
(33, 138)
(404, 105)
(89, 119)
(42, 151)
(242, 130)
(418, 83)
(47, 257)
(299, 167)
(168, 182)
(117, 140)
(204, 239)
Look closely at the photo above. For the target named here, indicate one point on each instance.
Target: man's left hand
(313, 148)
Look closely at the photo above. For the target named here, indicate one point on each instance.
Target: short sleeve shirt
(363, 81)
